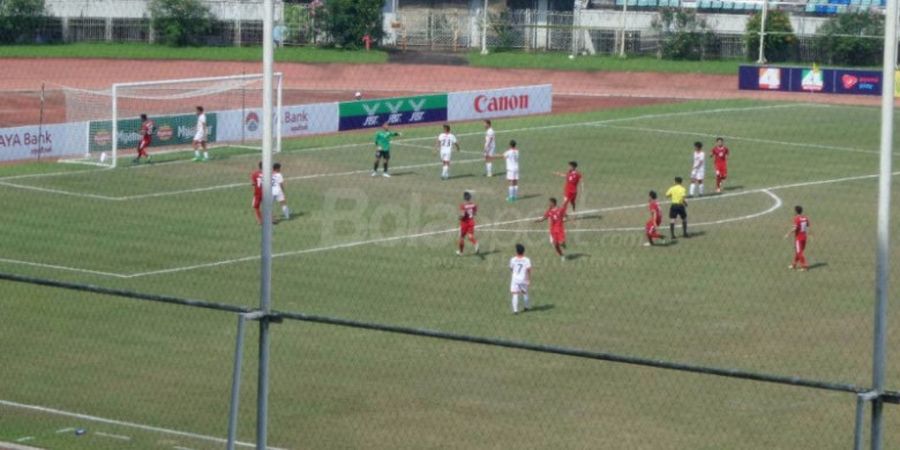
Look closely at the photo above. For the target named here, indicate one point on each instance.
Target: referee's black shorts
(677, 211)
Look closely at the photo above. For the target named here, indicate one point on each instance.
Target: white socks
(445, 172)
(205, 155)
(488, 169)
(701, 188)
(693, 188)
(286, 211)
(196, 153)
(513, 191)
(515, 302)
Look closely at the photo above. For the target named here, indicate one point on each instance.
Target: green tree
(854, 39)
(780, 39)
(347, 21)
(683, 35)
(20, 20)
(180, 23)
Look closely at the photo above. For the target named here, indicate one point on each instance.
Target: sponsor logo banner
(296, 120)
(395, 111)
(862, 82)
(516, 101)
(48, 141)
(170, 130)
(812, 80)
(770, 78)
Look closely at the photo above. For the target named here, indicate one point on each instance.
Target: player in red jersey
(146, 131)
(800, 228)
(467, 211)
(573, 177)
(720, 153)
(256, 178)
(556, 215)
(652, 225)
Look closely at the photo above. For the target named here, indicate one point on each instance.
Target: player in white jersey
(698, 169)
(278, 190)
(200, 136)
(446, 141)
(520, 266)
(490, 145)
(512, 171)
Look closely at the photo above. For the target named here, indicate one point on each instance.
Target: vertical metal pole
(882, 260)
(484, 25)
(622, 42)
(41, 125)
(858, 437)
(279, 113)
(236, 383)
(115, 126)
(265, 300)
(762, 33)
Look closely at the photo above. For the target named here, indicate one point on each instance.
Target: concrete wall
(136, 9)
(720, 23)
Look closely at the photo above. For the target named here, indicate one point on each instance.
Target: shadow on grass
(541, 308)
(484, 255)
(817, 265)
(529, 196)
(465, 175)
(575, 256)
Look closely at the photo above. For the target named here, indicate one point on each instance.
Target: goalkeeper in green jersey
(383, 148)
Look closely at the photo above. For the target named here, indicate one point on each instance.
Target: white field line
(777, 203)
(120, 423)
(62, 268)
(740, 138)
(406, 143)
(113, 436)
(64, 430)
(424, 234)
(489, 225)
(514, 130)
(25, 439)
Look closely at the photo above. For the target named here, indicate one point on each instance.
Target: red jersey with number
(572, 180)
(801, 227)
(655, 216)
(556, 216)
(256, 180)
(147, 128)
(467, 212)
(720, 154)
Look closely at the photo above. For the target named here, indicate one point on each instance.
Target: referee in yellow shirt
(678, 207)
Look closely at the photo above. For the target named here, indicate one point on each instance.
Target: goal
(233, 107)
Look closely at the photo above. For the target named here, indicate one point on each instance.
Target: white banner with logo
(488, 103)
(48, 141)
(296, 120)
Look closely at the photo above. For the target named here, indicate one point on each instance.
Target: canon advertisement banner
(296, 120)
(506, 102)
(48, 141)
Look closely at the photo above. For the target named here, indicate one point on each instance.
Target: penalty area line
(120, 423)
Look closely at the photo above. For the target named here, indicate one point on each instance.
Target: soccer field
(382, 250)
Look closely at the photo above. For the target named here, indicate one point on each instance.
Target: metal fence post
(236, 382)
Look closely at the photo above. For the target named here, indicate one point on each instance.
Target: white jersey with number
(512, 164)
(520, 267)
(277, 192)
(699, 167)
(490, 145)
(200, 133)
(446, 141)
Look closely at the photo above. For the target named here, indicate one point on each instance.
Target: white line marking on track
(124, 424)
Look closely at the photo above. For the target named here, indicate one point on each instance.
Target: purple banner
(809, 79)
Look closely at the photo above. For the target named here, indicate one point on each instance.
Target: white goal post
(232, 104)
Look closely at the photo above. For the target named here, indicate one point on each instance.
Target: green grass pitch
(379, 250)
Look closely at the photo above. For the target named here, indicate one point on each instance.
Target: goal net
(232, 104)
